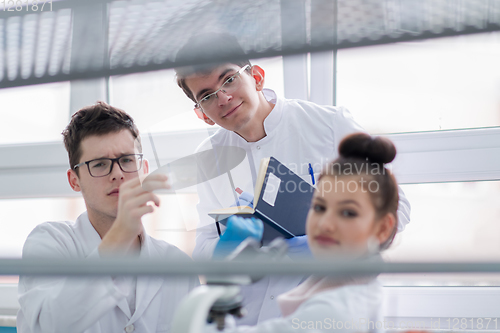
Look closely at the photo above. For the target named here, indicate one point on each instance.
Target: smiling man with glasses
(106, 160)
(234, 105)
(298, 133)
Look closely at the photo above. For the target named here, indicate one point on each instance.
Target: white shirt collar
(273, 119)
(92, 240)
(270, 123)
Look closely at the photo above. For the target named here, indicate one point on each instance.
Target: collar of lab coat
(147, 287)
(273, 119)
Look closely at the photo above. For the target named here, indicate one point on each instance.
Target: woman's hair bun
(363, 146)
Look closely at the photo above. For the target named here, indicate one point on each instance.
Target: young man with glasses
(106, 162)
(297, 133)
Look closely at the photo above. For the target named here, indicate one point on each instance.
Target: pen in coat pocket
(311, 172)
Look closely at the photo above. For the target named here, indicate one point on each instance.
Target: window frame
(39, 170)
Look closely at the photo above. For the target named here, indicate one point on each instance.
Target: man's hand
(132, 205)
(245, 199)
(238, 229)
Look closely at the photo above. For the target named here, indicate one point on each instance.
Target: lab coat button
(272, 297)
(129, 328)
(258, 147)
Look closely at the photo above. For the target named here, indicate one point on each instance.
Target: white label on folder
(272, 188)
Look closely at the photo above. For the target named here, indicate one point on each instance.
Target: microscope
(220, 296)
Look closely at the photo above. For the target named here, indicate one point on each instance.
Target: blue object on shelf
(8, 330)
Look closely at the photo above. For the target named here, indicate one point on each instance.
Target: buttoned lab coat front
(297, 133)
(94, 304)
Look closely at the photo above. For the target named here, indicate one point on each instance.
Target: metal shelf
(96, 38)
(159, 267)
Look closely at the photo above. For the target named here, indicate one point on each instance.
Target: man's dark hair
(208, 46)
(97, 119)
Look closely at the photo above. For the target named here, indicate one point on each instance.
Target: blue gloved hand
(245, 199)
(237, 230)
(298, 247)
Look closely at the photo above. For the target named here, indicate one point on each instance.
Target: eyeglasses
(101, 167)
(228, 87)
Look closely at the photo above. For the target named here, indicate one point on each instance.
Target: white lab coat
(349, 308)
(94, 304)
(297, 133)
